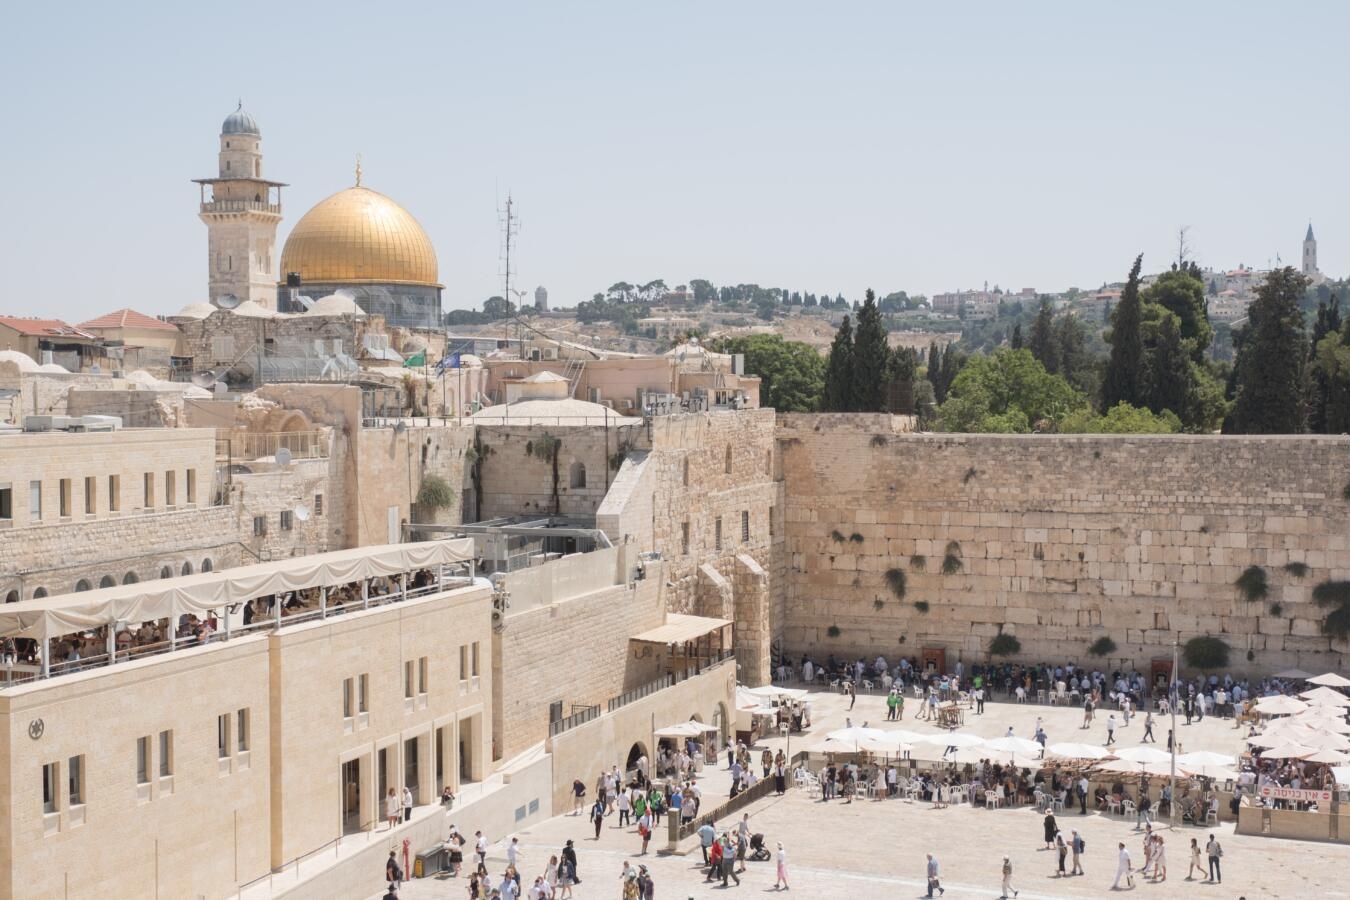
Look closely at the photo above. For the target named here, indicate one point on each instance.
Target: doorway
(410, 768)
(351, 796)
(934, 660)
(468, 736)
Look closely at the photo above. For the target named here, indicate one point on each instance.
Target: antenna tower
(509, 223)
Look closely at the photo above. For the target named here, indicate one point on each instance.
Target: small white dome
(53, 368)
(339, 304)
(252, 310)
(25, 362)
(194, 311)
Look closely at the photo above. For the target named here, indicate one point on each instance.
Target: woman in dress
(1196, 864)
(551, 875)
(1051, 828)
(393, 809)
(1159, 858)
(782, 882)
(1062, 850)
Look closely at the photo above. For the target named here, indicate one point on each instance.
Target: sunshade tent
(1330, 679)
(1073, 750)
(1294, 674)
(684, 730)
(773, 692)
(1325, 696)
(172, 597)
(1280, 705)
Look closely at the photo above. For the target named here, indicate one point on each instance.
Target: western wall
(1058, 540)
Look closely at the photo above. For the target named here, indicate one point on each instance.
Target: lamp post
(1172, 707)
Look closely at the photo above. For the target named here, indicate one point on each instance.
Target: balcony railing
(248, 445)
(228, 206)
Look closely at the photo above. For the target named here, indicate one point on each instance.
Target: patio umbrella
(1335, 757)
(1218, 773)
(1143, 755)
(904, 736)
(1295, 674)
(1125, 766)
(1205, 758)
(1013, 746)
(956, 739)
(854, 734)
(1319, 720)
(1287, 751)
(1324, 740)
(975, 755)
(1072, 750)
(1330, 679)
(1279, 705)
(1325, 696)
(885, 745)
(830, 745)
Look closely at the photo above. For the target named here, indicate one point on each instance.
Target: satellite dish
(283, 457)
(227, 301)
(302, 512)
(205, 380)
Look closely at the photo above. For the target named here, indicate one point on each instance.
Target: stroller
(757, 849)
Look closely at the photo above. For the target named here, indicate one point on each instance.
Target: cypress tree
(952, 363)
(1071, 349)
(1269, 368)
(1169, 372)
(934, 364)
(1124, 379)
(1044, 345)
(1319, 385)
(1017, 337)
(838, 393)
(870, 355)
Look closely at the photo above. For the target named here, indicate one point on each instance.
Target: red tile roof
(41, 327)
(127, 318)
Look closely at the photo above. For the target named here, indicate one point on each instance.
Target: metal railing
(218, 206)
(581, 716)
(247, 445)
(727, 807)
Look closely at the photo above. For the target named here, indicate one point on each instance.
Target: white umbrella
(1295, 674)
(1205, 758)
(1279, 705)
(1325, 740)
(956, 739)
(1218, 773)
(1335, 757)
(1320, 721)
(830, 745)
(854, 734)
(1073, 750)
(1288, 751)
(885, 745)
(1126, 766)
(1143, 755)
(1011, 744)
(976, 755)
(905, 737)
(1325, 696)
(1330, 679)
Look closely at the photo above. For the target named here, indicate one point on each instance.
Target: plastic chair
(990, 800)
(1127, 808)
(1059, 801)
(1212, 817)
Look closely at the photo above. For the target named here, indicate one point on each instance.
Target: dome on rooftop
(240, 122)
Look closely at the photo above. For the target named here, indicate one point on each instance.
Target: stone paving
(876, 848)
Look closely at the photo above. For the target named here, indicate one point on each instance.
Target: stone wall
(1059, 540)
(515, 481)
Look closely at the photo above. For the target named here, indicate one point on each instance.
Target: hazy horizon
(917, 149)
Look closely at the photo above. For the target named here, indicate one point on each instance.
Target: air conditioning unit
(593, 394)
(550, 353)
(534, 354)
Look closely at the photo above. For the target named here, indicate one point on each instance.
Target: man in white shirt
(1122, 868)
(513, 852)
(481, 847)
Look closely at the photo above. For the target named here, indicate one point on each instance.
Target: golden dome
(359, 236)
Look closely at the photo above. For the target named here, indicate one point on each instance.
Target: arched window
(187, 568)
(166, 572)
(107, 581)
(39, 593)
(728, 467)
(578, 477)
(83, 585)
(12, 597)
(130, 578)
(207, 565)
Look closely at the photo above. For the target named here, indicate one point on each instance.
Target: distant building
(541, 298)
(1310, 258)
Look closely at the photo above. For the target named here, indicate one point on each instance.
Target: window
(578, 475)
(241, 730)
(684, 538)
(186, 570)
(475, 659)
(686, 471)
(222, 348)
(35, 500)
(143, 760)
(75, 779)
(107, 581)
(728, 461)
(114, 493)
(422, 675)
(165, 754)
(363, 693)
(318, 504)
(463, 662)
(408, 679)
(770, 521)
(768, 462)
(63, 492)
(347, 698)
(717, 534)
(83, 585)
(285, 520)
(90, 496)
(191, 484)
(6, 503)
(259, 526)
(149, 490)
(223, 736)
(50, 789)
(745, 526)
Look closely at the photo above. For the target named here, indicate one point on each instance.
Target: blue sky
(821, 147)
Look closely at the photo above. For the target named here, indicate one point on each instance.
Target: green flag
(417, 359)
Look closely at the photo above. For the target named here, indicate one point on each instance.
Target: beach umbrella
(1334, 757)
(1143, 755)
(1206, 758)
(1330, 679)
(1218, 773)
(885, 746)
(1279, 705)
(854, 734)
(1325, 696)
(1324, 740)
(830, 745)
(1318, 720)
(976, 755)
(1125, 766)
(1287, 751)
(1294, 674)
(955, 739)
(1073, 750)
(1012, 746)
(904, 736)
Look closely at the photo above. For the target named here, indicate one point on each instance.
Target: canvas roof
(680, 628)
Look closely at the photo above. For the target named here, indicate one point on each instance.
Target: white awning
(680, 628)
(684, 729)
(171, 597)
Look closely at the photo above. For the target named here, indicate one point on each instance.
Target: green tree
(1269, 368)
(837, 393)
(902, 369)
(870, 355)
(1124, 379)
(1008, 392)
(1043, 344)
(1168, 384)
(1181, 292)
(1331, 368)
(1016, 341)
(1319, 385)
(1075, 360)
(791, 373)
(704, 291)
(1120, 419)
(495, 308)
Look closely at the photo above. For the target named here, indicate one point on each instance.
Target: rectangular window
(6, 503)
(408, 679)
(684, 538)
(222, 348)
(75, 777)
(717, 534)
(318, 504)
(745, 526)
(474, 670)
(259, 526)
(363, 693)
(223, 736)
(346, 698)
(241, 730)
(463, 662)
(90, 496)
(50, 788)
(35, 501)
(422, 675)
(171, 488)
(63, 493)
(165, 754)
(143, 760)
(285, 519)
(191, 484)
(770, 521)
(114, 493)
(149, 490)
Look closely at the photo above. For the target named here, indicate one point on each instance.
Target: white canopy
(171, 597)
(1325, 696)
(773, 691)
(1330, 679)
(1295, 674)
(1279, 705)
(1341, 774)
(684, 729)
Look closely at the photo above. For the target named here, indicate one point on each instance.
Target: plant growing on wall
(1206, 653)
(970, 473)
(895, 579)
(837, 536)
(921, 605)
(1334, 596)
(1252, 583)
(918, 562)
(878, 440)
(1297, 569)
(1004, 645)
(855, 538)
(1102, 646)
(951, 560)
(878, 603)
(1277, 609)
(833, 631)
(1345, 491)
(546, 447)
(435, 493)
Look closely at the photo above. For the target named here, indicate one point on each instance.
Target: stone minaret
(1310, 254)
(241, 213)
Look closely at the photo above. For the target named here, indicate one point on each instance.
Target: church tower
(1310, 254)
(241, 210)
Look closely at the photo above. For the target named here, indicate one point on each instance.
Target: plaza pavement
(874, 849)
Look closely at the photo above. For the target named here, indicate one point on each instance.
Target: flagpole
(1172, 706)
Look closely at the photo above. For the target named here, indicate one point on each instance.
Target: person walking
(1082, 795)
(933, 883)
(578, 796)
(714, 861)
(979, 701)
(1078, 846)
(480, 847)
(598, 815)
(1196, 863)
(1148, 729)
(729, 861)
(1062, 851)
(1051, 828)
(1110, 729)
(1122, 868)
(782, 869)
(1159, 858)
(625, 805)
(1215, 853)
(569, 855)
(1087, 713)
(392, 808)
(1007, 879)
(407, 803)
(393, 872)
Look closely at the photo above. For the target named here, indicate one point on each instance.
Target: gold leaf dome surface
(359, 236)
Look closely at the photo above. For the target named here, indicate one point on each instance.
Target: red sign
(1271, 792)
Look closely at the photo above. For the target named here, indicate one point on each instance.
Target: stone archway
(721, 720)
(636, 752)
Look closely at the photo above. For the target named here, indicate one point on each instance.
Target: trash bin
(429, 862)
